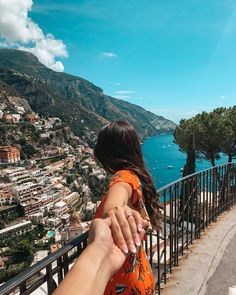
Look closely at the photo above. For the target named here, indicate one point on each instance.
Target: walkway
(209, 266)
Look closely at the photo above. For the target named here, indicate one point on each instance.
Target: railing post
(60, 273)
(65, 262)
(204, 201)
(182, 213)
(158, 264)
(199, 203)
(22, 287)
(176, 227)
(171, 230)
(165, 269)
(50, 285)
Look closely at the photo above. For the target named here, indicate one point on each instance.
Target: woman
(118, 150)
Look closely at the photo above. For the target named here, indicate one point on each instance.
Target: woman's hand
(127, 227)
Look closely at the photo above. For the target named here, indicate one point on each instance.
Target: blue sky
(175, 58)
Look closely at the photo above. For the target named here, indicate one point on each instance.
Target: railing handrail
(191, 175)
(37, 267)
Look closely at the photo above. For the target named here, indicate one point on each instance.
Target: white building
(71, 199)
(26, 191)
(20, 110)
(16, 230)
(54, 221)
(17, 175)
(60, 208)
(40, 174)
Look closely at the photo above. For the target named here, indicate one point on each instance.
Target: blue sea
(160, 152)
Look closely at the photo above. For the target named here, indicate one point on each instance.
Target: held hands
(127, 227)
(116, 235)
(100, 236)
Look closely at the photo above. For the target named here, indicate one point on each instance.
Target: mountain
(78, 102)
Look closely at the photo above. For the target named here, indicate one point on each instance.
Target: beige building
(71, 199)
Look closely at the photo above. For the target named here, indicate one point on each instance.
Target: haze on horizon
(175, 59)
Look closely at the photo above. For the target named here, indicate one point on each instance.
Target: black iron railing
(189, 206)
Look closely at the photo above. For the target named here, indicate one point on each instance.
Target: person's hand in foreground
(98, 262)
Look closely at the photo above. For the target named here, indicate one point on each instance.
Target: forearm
(89, 275)
(118, 195)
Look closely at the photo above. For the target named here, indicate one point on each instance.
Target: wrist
(102, 257)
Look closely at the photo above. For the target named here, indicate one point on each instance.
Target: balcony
(190, 205)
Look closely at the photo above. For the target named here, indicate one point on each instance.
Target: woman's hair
(118, 148)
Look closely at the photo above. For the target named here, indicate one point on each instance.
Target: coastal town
(48, 197)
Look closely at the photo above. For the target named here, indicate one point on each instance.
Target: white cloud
(176, 114)
(109, 54)
(125, 92)
(123, 96)
(17, 29)
(112, 83)
(223, 97)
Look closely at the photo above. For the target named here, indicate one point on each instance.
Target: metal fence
(189, 206)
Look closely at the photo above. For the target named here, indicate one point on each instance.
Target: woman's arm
(126, 223)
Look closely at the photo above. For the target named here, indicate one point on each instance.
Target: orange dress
(135, 276)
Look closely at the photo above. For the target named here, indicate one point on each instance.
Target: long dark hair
(118, 148)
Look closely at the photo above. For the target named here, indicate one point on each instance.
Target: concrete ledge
(198, 268)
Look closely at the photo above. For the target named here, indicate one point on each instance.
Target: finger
(134, 231)
(145, 223)
(142, 234)
(138, 219)
(117, 235)
(126, 231)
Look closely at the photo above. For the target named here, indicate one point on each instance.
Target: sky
(175, 58)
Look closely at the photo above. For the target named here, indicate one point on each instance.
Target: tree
(184, 137)
(228, 125)
(23, 251)
(28, 150)
(208, 134)
(20, 210)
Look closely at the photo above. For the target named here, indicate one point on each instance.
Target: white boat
(170, 167)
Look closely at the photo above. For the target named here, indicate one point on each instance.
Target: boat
(170, 167)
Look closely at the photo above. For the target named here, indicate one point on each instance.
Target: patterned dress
(135, 276)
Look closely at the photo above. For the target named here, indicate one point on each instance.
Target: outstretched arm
(98, 262)
(126, 223)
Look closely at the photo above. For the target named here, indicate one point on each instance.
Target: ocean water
(160, 152)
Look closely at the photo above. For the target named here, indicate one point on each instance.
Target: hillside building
(71, 199)
(27, 191)
(9, 154)
(17, 175)
(32, 117)
(15, 230)
(6, 196)
(60, 208)
(12, 118)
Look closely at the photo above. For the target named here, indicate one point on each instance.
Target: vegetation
(207, 135)
(21, 251)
